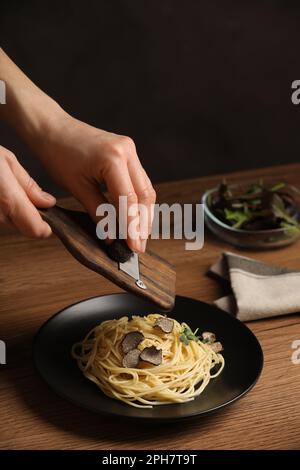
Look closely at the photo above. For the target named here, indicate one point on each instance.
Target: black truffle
(165, 324)
(131, 341)
(209, 337)
(152, 355)
(216, 347)
(131, 359)
(119, 251)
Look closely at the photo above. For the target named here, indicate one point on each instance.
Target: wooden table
(37, 278)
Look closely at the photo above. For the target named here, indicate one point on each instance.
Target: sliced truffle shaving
(165, 324)
(131, 341)
(152, 355)
(216, 347)
(131, 359)
(209, 337)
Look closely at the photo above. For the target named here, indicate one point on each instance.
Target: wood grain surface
(77, 232)
(37, 278)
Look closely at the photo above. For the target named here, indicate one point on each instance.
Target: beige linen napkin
(259, 290)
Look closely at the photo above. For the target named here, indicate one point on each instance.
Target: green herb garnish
(258, 206)
(277, 186)
(184, 339)
(280, 212)
(188, 335)
(236, 216)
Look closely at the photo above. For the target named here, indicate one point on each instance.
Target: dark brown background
(202, 86)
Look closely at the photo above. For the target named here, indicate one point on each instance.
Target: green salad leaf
(258, 206)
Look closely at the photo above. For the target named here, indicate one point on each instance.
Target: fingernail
(48, 197)
(143, 244)
(48, 231)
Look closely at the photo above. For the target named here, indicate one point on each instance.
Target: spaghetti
(185, 370)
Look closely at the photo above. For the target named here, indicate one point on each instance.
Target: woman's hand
(19, 197)
(80, 157)
(77, 155)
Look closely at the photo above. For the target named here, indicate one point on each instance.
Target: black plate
(242, 352)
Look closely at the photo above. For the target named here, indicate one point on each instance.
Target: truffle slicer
(147, 274)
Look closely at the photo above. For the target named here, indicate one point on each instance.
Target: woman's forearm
(28, 109)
